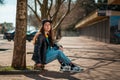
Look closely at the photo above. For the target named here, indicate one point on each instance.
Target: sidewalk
(101, 61)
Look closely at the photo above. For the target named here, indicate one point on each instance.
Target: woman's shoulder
(38, 34)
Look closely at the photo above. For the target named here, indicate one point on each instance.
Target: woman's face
(47, 26)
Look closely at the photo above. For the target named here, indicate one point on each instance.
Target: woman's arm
(36, 37)
(37, 50)
(58, 46)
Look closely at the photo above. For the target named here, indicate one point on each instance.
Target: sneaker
(65, 68)
(76, 69)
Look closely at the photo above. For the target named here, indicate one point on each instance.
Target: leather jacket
(40, 48)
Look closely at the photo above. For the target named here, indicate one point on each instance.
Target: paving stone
(101, 61)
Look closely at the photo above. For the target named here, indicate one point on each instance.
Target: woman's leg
(57, 54)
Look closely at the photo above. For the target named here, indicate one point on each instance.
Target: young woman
(45, 51)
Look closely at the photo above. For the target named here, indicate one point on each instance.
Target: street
(101, 61)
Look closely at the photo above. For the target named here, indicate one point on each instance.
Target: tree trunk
(44, 8)
(19, 53)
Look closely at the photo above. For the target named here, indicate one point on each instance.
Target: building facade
(102, 24)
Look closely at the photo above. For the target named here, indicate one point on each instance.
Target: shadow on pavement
(114, 59)
(36, 77)
(106, 68)
(3, 49)
(48, 75)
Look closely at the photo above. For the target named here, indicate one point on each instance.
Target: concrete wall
(70, 33)
(99, 31)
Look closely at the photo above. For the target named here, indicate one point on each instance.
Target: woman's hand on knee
(61, 48)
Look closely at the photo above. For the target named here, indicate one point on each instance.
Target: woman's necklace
(46, 34)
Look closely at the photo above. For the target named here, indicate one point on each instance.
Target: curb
(20, 72)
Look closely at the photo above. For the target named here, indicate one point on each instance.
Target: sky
(8, 12)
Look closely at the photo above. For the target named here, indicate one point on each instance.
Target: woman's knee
(59, 52)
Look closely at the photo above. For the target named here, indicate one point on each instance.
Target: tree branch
(57, 8)
(50, 9)
(39, 3)
(62, 18)
(34, 13)
(35, 6)
(62, 1)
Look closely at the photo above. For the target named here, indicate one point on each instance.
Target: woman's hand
(61, 48)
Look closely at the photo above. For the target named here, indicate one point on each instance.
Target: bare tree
(32, 21)
(19, 54)
(73, 17)
(50, 9)
(87, 5)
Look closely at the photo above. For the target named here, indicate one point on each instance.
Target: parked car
(31, 35)
(9, 35)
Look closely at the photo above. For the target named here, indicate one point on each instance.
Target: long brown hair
(42, 31)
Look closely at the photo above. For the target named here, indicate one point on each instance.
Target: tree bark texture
(19, 53)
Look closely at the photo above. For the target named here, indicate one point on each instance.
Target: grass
(6, 68)
(9, 68)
